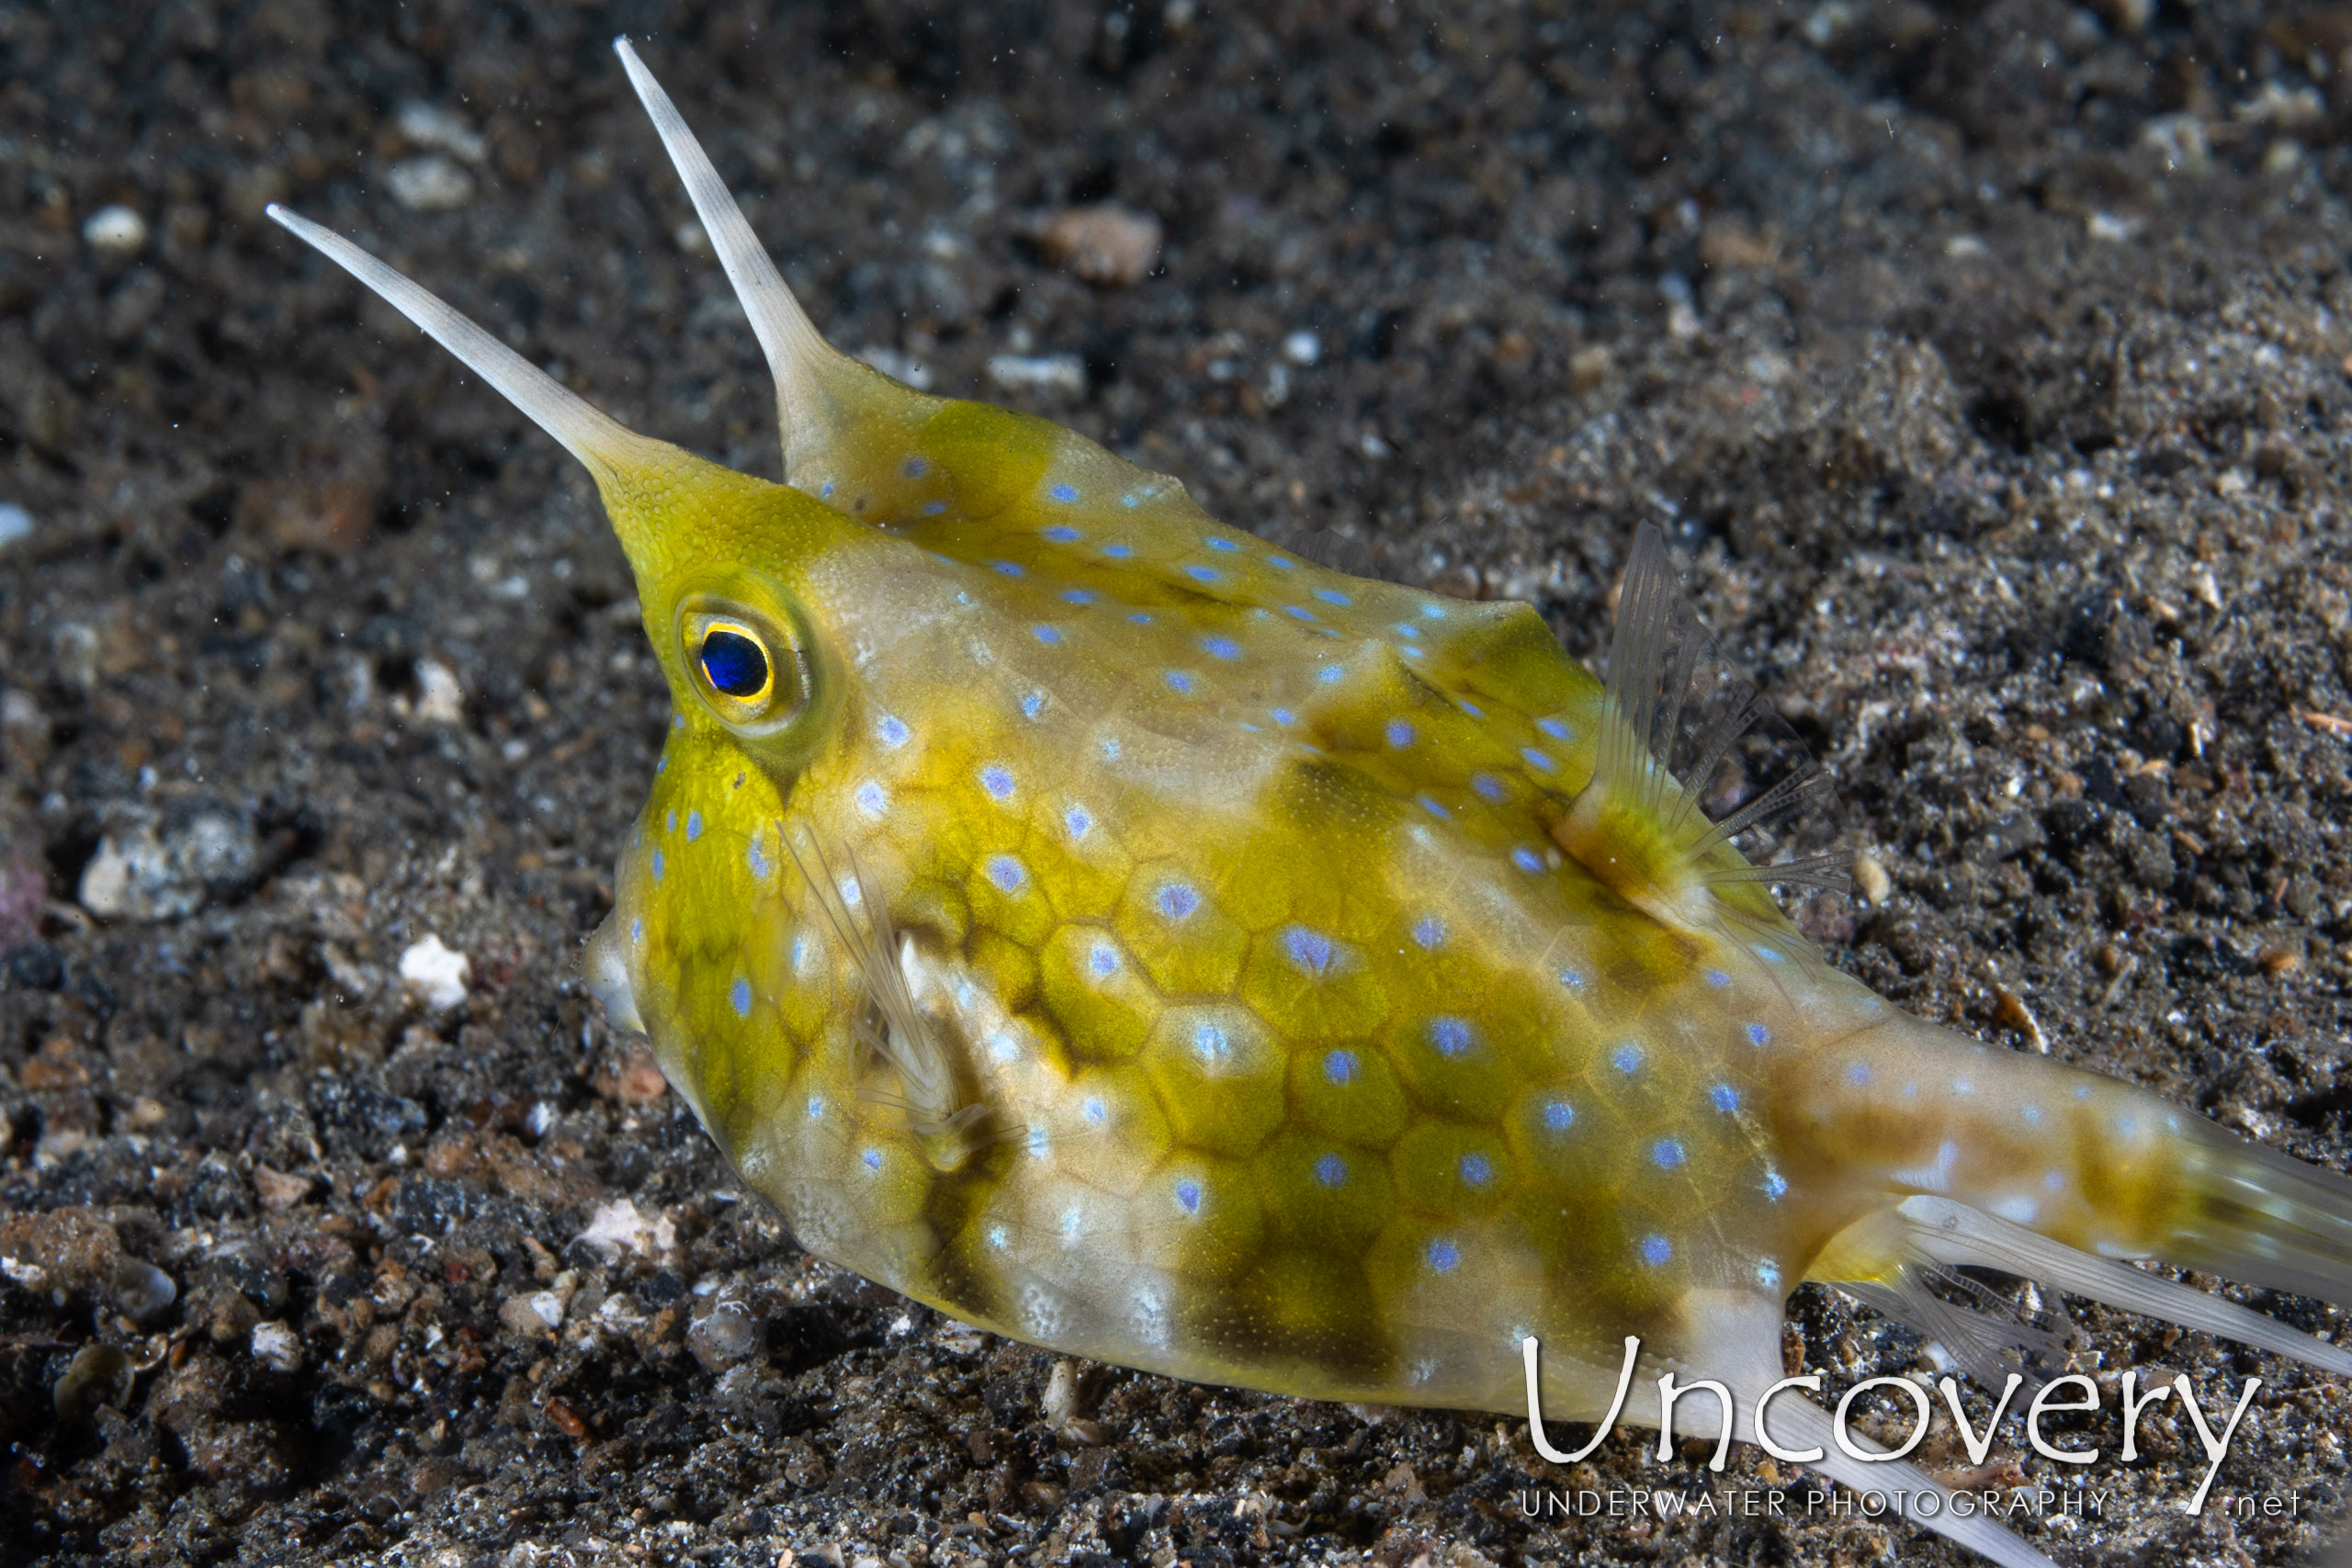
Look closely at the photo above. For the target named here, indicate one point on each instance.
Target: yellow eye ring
(748, 663)
(734, 659)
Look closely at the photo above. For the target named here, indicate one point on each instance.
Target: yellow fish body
(1123, 935)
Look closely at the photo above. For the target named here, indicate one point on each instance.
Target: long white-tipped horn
(598, 440)
(795, 351)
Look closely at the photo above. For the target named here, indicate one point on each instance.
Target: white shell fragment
(277, 1347)
(1038, 373)
(435, 972)
(430, 184)
(117, 229)
(616, 1229)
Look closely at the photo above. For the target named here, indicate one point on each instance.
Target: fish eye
(734, 662)
(749, 666)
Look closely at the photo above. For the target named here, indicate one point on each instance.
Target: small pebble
(1109, 246)
(439, 698)
(116, 229)
(98, 1374)
(1302, 348)
(728, 1332)
(1038, 373)
(441, 130)
(437, 972)
(16, 524)
(1871, 877)
(430, 184)
(277, 1347)
(141, 1290)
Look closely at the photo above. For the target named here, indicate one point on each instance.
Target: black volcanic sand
(1987, 370)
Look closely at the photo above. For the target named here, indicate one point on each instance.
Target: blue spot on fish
(872, 1159)
(1033, 705)
(1527, 860)
(1331, 1171)
(1488, 787)
(1061, 533)
(1181, 681)
(694, 826)
(1298, 611)
(1758, 1035)
(1857, 1074)
(1050, 635)
(1626, 1058)
(996, 779)
(1078, 596)
(1064, 492)
(1433, 807)
(1340, 1066)
(1718, 978)
(1776, 1186)
(1555, 730)
(1202, 573)
(1309, 948)
(916, 467)
(1008, 569)
(1283, 717)
(1572, 980)
(1177, 900)
(1476, 1170)
(1188, 1195)
(932, 508)
(1657, 1251)
(1093, 1109)
(1444, 1256)
(1559, 1115)
(1210, 1044)
(1103, 960)
(740, 997)
(870, 799)
(1450, 1037)
(1398, 733)
(1667, 1154)
(1725, 1097)
(1007, 873)
(1332, 597)
(1217, 543)
(892, 729)
(1118, 552)
(1537, 760)
(1221, 647)
(1077, 820)
(1428, 932)
(659, 866)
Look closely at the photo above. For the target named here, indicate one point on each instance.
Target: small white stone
(16, 524)
(430, 184)
(1302, 348)
(277, 1347)
(439, 698)
(618, 1228)
(442, 130)
(1064, 373)
(116, 229)
(438, 973)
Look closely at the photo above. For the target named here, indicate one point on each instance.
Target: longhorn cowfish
(1132, 938)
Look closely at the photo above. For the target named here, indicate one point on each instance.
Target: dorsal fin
(1702, 796)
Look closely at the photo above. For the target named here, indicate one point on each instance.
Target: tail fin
(1938, 1231)
(2252, 1213)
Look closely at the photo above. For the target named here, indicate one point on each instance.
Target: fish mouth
(606, 971)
